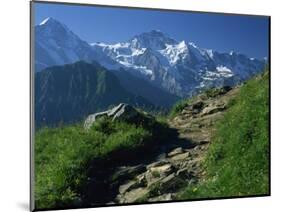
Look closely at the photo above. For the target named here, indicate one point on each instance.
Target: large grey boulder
(120, 112)
(181, 156)
(124, 112)
(175, 151)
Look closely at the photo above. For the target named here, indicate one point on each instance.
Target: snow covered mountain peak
(193, 45)
(154, 34)
(56, 44)
(52, 27)
(51, 22)
(182, 44)
(154, 39)
(231, 53)
(178, 67)
(45, 21)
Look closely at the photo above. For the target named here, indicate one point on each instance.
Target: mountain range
(179, 67)
(149, 70)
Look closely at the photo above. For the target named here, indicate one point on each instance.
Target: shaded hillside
(141, 87)
(68, 93)
(75, 166)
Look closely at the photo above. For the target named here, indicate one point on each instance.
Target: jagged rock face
(178, 67)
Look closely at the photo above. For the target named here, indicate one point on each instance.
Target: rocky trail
(162, 173)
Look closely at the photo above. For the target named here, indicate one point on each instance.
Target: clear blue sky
(244, 34)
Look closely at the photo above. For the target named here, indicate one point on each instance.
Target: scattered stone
(175, 152)
(213, 109)
(151, 178)
(181, 156)
(169, 184)
(163, 197)
(161, 156)
(184, 164)
(198, 105)
(157, 163)
(184, 173)
(141, 180)
(128, 186)
(128, 172)
(168, 179)
(198, 147)
(162, 170)
(133, 195)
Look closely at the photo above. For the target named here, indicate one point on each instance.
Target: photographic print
(138, 106)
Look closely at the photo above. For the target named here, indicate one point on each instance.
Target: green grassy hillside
(69, 159)
(64, 156)
(237, 163)
(68, 93)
